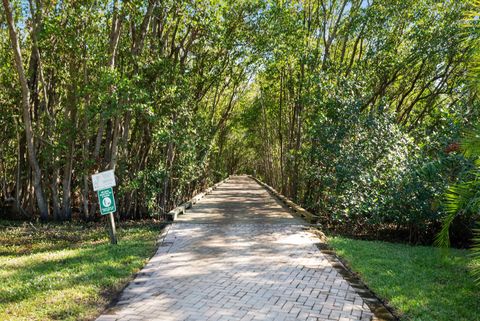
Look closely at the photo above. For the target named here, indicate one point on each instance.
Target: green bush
(365, 173)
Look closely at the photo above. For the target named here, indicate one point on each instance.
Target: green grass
(422, 283)
(68, 271)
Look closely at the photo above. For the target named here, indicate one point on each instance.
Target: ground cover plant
(422, 283)
(67, 271)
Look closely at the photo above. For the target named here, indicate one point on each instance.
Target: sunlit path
(239, 255)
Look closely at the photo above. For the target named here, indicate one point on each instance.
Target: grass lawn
(418, 281)
(67, 272)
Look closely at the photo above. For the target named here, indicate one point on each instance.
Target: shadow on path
(238, 254)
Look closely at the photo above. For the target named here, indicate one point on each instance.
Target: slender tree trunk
(99, 137)
(114, 39)
(32, 157)
(114, 145)
(116, 26)
(67, 183)
(71, 117)
(85, 146)
(18, 176)
(55, 198)
(37, 21)
(85, 189)
(280, 134)
(297, 134)
(137, 48)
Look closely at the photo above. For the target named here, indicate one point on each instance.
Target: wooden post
(112, 231)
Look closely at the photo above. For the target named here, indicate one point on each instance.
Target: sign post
(102, 184)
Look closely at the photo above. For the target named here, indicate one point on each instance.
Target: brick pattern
(255, 262)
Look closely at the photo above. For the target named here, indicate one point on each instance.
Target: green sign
(106, 200)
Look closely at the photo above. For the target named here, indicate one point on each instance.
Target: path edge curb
(116, 297)
(294, 207)
(380, 308)
(182, 208)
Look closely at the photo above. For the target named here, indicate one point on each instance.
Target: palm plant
(476, 253)
(464, 197)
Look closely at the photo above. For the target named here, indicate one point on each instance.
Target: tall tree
(26, 110)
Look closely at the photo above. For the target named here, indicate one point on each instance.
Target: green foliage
(350, 108)
(463, 198)
(363, 169)
(151, 105)
(357, 111)
(351, 161)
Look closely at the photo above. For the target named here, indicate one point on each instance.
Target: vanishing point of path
(239, 255)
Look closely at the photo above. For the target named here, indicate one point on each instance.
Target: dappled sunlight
(226, 257)
(72, 282)
(250, 129)
(295, 239)
(52, 257)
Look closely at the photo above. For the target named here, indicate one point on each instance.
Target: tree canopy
(353, 108)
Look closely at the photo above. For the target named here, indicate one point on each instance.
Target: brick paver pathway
(239, 255)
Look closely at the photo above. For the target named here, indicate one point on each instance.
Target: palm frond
(465, 196)
(474, 12)
(476, 255)
(459, 198)
(471, 143)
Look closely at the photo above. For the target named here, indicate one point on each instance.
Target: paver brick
(239, 255)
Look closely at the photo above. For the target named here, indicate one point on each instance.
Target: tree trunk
(71, 118)
(280, 135)
(32, 157)
(114, 148)
(55, 198)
